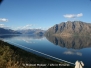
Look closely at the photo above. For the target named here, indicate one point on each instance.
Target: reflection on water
(26, 38)
(71, 42)
(66, 48)
(72, 52)
(13, 57)
(21, 35)
(75, 46)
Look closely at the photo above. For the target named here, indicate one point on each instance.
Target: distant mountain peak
(8, 31)
(32, 31)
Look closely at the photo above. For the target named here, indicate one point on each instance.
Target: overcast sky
(22, 14)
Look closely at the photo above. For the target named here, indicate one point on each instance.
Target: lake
(66, 48)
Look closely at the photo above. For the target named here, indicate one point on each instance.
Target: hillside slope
(70, 28)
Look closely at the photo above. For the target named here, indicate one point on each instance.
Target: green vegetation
(14, 57)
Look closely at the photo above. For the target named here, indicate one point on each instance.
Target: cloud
(2, 25)
(73, 15)
(24, 27)
(30, 26)
(79, 15)
(72, 53)
(27, 26)
(42, 28)
(69, 16)
(3, 20)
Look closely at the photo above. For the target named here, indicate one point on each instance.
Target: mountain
(32, 31)
(76, 42)
(8, 31)
(70, 28)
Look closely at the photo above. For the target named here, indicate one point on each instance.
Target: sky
(43, 14)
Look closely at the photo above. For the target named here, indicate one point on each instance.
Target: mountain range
(8, 31)
(70, 28)
(32, 31)
(24, 31)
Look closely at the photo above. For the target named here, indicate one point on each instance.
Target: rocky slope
(70, 28)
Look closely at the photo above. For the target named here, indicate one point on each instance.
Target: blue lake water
(69, 49)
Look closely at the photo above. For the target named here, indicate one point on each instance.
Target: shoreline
(15, 57)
